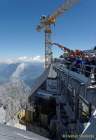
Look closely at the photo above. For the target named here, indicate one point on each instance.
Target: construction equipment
(65, 49)
(45, 24)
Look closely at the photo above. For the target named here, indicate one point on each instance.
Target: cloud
(31, 59)
(19, 70)
(24, 59)
(38, 58)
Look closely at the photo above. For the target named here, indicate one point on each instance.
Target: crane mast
(48, 52)
(45, 24)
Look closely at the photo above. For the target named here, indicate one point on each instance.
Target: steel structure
(45, 24)
(71, 92)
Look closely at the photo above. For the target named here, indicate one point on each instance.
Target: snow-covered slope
(13, 95)
(16, 78)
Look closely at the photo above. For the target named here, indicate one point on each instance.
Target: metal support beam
(48, 52)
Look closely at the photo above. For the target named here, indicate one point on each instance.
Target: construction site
(62, 103)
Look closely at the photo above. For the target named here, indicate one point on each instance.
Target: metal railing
(88, 71)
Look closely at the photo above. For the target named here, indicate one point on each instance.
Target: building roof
(10, 133)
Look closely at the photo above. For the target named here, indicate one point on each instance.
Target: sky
(76, 28)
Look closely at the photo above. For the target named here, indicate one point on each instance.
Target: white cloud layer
(24, 59)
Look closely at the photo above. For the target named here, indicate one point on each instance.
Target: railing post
(58, 125)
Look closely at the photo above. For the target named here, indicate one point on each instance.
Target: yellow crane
(45, 24)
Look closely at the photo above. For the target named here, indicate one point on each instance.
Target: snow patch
(19, 70)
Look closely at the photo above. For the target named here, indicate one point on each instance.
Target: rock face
(13, 96)
(16, 79)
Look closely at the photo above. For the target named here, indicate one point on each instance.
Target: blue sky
(18, 19)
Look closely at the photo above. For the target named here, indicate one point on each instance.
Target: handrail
(71, 74)
(85, 69)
